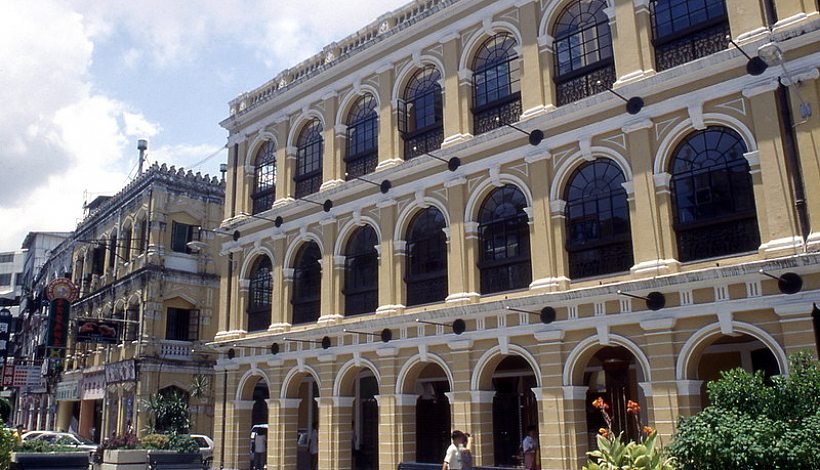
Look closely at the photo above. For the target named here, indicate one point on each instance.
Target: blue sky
(81, 81)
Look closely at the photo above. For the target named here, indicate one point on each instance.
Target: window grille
(264, 178)
(496, 86)
(713, 196)
(597, 219)
(420, 113)
(583, 51)
(362, 138)
(686, 30)
(309, 150)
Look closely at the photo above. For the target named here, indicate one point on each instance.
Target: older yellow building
(146, 263)
(607, 196)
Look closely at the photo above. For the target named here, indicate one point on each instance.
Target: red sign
(61, 288)
(8, 376)
(57, 327)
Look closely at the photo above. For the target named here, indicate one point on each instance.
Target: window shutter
(193, 325)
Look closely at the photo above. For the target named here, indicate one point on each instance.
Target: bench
(419, 466)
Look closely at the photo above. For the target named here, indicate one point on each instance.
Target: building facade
(146, 264)
(483, 215)
(32, 405)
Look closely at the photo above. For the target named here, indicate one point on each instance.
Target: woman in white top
(452, 458)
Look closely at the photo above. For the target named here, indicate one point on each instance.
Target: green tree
(169, 413)
(755, 423)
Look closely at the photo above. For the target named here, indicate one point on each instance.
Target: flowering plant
(613, 453)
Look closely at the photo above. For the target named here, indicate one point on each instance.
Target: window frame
(178, 324)
(264, 171)
(362, 153)
(177, 229)
(306, 298)
(309, 150)
(423, 91)
(361, 272)
(260, 294)
(697, 40)
(426, 245)
(491, 266)
(491, 113)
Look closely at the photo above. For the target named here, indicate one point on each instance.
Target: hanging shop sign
(123, 371)
(92, 386)
(5, 331)
(62, 288)
(28, 376)
(57, 327)
(68, 391)
(8, 375)
(96, 331)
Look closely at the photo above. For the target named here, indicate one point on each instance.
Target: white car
(64, 439)
(206, 448)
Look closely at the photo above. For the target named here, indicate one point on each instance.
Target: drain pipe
(792, 159)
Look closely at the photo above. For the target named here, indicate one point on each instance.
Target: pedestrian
(18, 434)
(530, 449)
(467, 452)
(452, 458)
(260, 448)
(313, 447)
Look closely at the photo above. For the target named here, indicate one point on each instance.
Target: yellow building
(489, 162)
(146, 263)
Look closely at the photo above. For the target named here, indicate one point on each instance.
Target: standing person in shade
(530, 449)
(452, 458)
(313, 447)
(466, 452)
(260, 449)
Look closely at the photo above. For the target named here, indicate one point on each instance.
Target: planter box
(50, 460)
(143, 459)
(125, 456)
(164, 459)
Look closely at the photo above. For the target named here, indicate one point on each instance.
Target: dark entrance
(611, 375)
(366, 448)
(432, 415)
(514, 408)
(259, 413)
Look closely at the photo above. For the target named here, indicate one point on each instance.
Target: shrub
(7, 445)
(183, 443)
(155, 441)
(38, 445)
(754, 424)
(169, 413)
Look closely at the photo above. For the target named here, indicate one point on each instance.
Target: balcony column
(388, 125)
(241, 318)
(287, 295)
(284, 164)
(279, 318)
(663, 197)
(461, 263)
(532, 100)
(747, 21)
(792, 13)
(648, 248)
(331, 284)
(559, 239)
(543, 253)
(389, 265)
(629, 41)
(808, 134)
(456, 92)
(643, 28)
(779, 233)
(332, 163)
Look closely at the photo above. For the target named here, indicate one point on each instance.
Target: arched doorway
(514, 408)
(612, 374)
(251, 414)
(259, 412)
(730, 352)
(307, 422)
(432, 414)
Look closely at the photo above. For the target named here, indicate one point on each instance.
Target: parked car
(254, 429)
(65, 439)
(206, 449)
(32, 434)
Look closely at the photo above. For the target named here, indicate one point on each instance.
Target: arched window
(361, 289)
(260, 290)
(362, 137)
(713, 196)
(598, 235)
(309, 150)
(113, 252)
(685, 30)
(426, 268)
(420, 113)
(496, 87)
(264, 178)
(583, 51)
(504, 235)
(126, 243)
(307, 284)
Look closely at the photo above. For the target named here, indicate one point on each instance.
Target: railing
(718, 239)
(606, 258)
(335, 53)
(585, 85)
(497, 114)
(416, 144)
(691, 46)
(179, 350)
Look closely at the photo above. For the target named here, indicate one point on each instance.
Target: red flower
(648, 430)
(632, 407)
(600, 404)
(604, 432)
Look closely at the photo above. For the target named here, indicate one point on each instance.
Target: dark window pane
(180, 236)
(264, 178)
(423, 108)
(361, 289)
(309, 150)
(713, 196)
(362, 138)
(260, 291)
(177, 325)
(504, 238)
(597, 220)
(426, 267)
(307, 284)
(685, 30)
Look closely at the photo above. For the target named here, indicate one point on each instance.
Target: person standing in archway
(530, 449)
(452, 458)
(260, 449)
(313, 447)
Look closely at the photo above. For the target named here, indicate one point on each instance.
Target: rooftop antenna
(142, 146)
